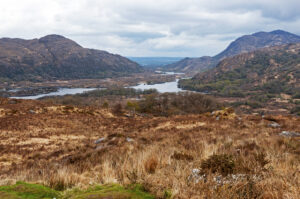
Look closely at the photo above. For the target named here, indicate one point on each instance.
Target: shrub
(134, 106)
(151, 165)
(178, 103)
(182, 156)
(118, 109)
(223, 164)
(105, 105)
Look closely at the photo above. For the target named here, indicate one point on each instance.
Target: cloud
(148, 27)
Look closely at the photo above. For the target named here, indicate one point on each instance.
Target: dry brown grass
(56, 146)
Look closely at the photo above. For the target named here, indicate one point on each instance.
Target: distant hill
(266, 72)
(247, 43)
(56, 57)
(154, 62)
(192, 65)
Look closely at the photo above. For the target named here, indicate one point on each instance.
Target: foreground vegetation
(212, 155)
(149, 101)
(23, 190)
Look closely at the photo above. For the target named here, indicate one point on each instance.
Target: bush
(133, 106)
(223, 164)
(105, 105)
(118, 109)
(178, 103)
(151, 165)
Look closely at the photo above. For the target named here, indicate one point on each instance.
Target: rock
(196, 177)
(32, 111)
(195, 171)
(99, 140)
(289, 134)
(274, 125)
(129, 139)
(218, 180)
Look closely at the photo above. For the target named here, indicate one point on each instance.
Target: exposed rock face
(56, 57)
(244, 44)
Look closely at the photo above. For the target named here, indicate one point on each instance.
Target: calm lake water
(60, 92)
(171, 87)
(168, 73)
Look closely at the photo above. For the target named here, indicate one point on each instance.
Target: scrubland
(207, 155)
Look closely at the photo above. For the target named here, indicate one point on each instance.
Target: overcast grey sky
(148, 27)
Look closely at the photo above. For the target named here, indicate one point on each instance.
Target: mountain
(154, 62)
(56, 57)
(247, 43)
(269, 71)
(188, 65)
(258, 40)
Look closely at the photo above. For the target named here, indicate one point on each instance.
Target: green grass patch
(23, 190)
(109, 191)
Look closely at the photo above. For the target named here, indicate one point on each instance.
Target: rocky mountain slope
(56, 57)
(247, 43)
(274, 70)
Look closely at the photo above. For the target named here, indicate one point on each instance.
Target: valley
(80, 123)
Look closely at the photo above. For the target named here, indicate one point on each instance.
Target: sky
(175, 28)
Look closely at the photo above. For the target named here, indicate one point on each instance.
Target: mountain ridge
(243, 44)
(272, 70)
(57, 57)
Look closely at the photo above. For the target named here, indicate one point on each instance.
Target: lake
(171, 87)
(60, 92)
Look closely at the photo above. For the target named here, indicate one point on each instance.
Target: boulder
(289, 134)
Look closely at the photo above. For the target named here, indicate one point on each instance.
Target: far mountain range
(244, 44)
(55, 57)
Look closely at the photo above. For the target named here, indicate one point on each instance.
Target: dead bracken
(186, 155)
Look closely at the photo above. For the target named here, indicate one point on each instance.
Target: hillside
(261, 75)
(214, 155)
(247, 43)
(154, 62)
(191, 65)
(56, 57)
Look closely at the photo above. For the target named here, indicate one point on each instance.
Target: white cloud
(148, 27)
